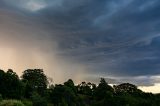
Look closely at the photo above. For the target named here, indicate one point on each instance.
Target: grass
(11, 103)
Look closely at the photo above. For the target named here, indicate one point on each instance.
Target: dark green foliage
(10, 85)
(35, 80)
(32, 91)
(27, 102)
(37, 100)
(103, 90)
(126, 88)
(0, 97)
(71, 85)
(85, 88)
(63, 93)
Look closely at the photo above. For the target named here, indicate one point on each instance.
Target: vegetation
(11, 103)
(33, 89)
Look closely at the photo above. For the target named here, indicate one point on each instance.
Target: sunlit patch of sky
(35, 6)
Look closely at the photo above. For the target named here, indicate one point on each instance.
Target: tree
(86, 88)
(37, 100)
(71, 85)
(36, 81)
(10, 85)
(62, 93)
(2, 82)
(103, 90)
(126, 88)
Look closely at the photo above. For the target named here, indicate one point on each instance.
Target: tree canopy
(35, 80)
(33, 88)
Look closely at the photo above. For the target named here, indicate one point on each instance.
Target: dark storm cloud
(111, 37)
(115, 38)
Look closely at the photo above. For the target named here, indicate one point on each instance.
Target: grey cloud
(122, 44)
(138, 80)
(111, 37)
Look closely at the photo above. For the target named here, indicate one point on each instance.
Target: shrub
(0, 97)
(11, 103)
(38, 100)
(27, 102)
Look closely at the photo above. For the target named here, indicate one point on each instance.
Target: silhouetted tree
(103, 90)
(2, 82)
(36, 81)
(86, 88)
(71, 85)
(62, 93)
(126, 88)
(10, 85)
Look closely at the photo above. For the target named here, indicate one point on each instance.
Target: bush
(38, 100)
(0, 97)
(27, 102)
(11, 103)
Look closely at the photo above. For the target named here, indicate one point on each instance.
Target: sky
(83, 40)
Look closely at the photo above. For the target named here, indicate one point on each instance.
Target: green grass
(11, 103)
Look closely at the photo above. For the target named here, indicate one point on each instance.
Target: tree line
(34, 89)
